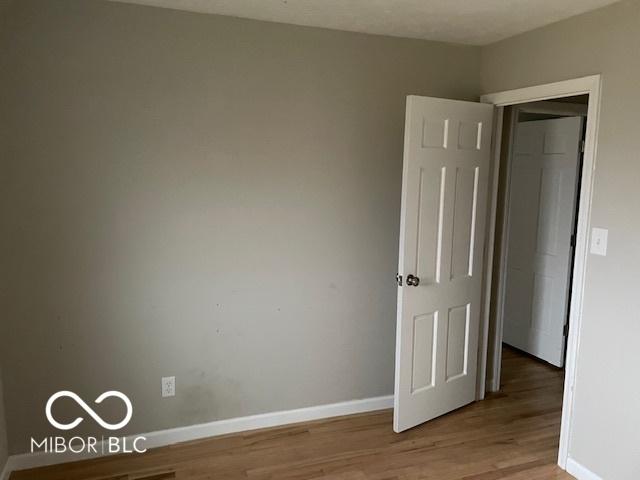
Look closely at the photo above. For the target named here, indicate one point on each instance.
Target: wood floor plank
(512, 435)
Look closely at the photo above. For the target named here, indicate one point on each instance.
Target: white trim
(580, 471)
(212, 429)
(481, 387)
(494, 380)
(565, 88)
(592, 86)
(6, 470)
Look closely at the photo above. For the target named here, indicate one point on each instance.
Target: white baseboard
(493, 385)
(6, 471)
(212, 429)
(580, 471)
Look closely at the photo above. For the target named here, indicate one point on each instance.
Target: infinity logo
(89, 410)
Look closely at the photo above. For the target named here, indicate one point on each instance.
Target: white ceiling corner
(473, 22)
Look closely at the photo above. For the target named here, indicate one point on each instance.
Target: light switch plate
(599, 241)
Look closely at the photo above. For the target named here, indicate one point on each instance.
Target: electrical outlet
(168, 386)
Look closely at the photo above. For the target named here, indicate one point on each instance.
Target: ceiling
(474, 22)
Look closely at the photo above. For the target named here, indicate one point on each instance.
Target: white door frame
(590, 85)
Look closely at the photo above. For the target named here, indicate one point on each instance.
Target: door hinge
(399, 279)
(582, 146)
(573, 240)
(565, 330)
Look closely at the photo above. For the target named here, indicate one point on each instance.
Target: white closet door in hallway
(541, 217)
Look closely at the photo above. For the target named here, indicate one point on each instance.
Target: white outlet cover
(599, 238)
(168, 386)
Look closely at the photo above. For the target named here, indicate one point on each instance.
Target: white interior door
(444, 200)
(541, 218)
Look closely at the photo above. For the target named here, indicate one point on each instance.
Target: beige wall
(206, 197)
(606, 437)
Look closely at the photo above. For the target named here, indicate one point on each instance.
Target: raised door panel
(429, 215)
(464, 221)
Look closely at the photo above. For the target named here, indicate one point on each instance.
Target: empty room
(324, 240)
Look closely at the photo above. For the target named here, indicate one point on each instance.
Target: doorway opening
(535, 276)
(540, 171)
(541, 159)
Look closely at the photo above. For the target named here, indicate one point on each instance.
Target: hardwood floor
(511, 435)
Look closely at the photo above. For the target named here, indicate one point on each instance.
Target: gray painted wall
(606, 437)
(206, 197)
